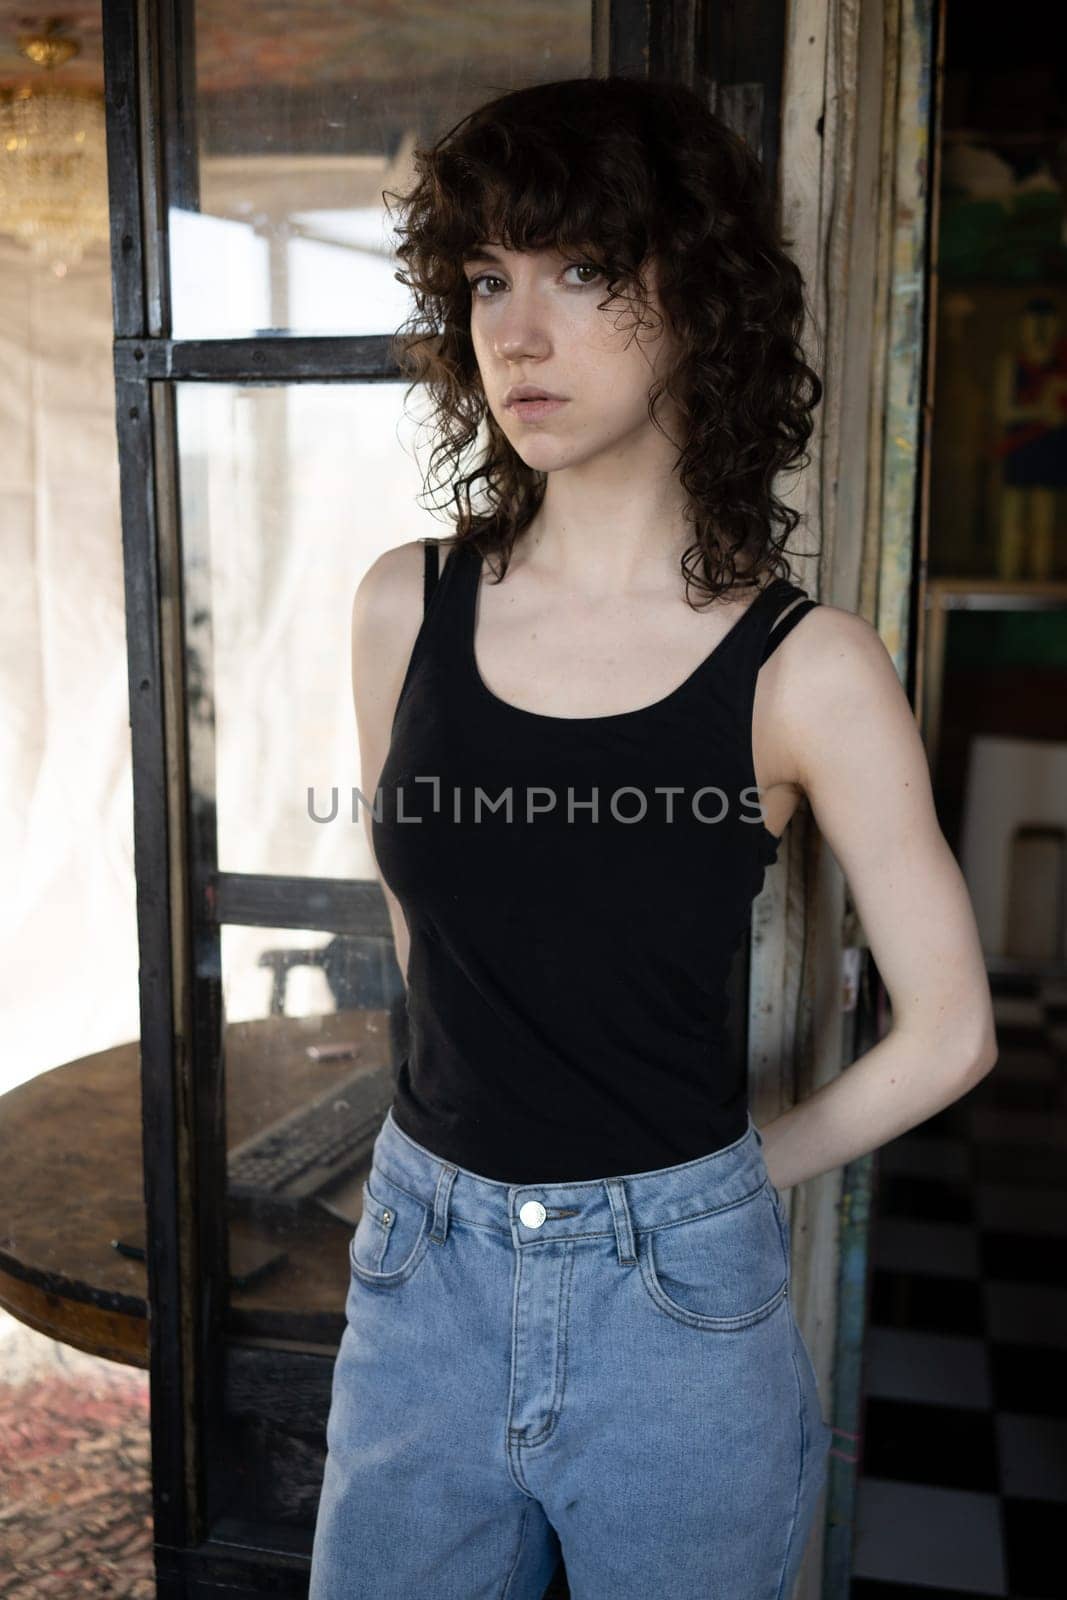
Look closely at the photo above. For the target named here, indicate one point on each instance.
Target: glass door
(268, 454)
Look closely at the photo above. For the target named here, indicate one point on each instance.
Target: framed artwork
(999, 463)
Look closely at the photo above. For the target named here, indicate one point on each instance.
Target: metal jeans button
(532, 1213)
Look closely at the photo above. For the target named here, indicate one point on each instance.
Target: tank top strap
(777, 625)
(438, 616)
(764, 636)
(440, 578)
(431, 571)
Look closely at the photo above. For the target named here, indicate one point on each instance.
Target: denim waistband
(582, 1209)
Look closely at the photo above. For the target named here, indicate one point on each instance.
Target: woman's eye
(586, 266)
(484, 277)
(491, 277)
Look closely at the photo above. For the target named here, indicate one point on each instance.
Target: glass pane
(308, 1052)
(296, 138)
(308, 1065)
(288, 495)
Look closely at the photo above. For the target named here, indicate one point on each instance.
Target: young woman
(569, 1321)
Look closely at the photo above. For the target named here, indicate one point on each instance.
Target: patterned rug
(75, 1496)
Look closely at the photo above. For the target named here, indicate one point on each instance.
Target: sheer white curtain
(68, 945)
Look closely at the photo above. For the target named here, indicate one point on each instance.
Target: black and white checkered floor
(963, 1486)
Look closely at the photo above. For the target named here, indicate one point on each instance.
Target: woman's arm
(856, 752)
(386, 615)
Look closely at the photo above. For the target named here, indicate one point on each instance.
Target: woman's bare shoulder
(829, 638)
(387, 611)
(838, 686)
(390, 580)
(386, 615)
(388, 597)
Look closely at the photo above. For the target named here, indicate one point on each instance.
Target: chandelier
(53, 159)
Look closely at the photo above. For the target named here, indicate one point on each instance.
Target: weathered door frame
(857, 116)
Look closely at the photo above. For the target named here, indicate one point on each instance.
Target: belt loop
(445, 1179)
(620, 1210)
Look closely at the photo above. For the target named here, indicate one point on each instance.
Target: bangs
(540, 196)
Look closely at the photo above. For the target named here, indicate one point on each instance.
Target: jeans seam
(383, 1172)
(506, 1590)
(512, 1438)
(800, 1470)
(561, 1372)
(715, 1211)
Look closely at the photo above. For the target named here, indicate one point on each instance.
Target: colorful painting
(999, 467)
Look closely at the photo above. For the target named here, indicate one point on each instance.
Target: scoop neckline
(599, 718)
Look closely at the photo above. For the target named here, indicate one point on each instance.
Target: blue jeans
(609, 1366)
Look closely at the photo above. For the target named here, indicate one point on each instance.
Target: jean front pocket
(724, 1269)
(391, 1236)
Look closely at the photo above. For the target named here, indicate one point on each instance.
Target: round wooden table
(71, 1181)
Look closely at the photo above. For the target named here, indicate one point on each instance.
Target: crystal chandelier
(53, 159)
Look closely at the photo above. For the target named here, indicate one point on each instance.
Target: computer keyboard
(302, 1152)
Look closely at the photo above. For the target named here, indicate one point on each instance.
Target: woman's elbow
(974, 1046)
(964, 1046)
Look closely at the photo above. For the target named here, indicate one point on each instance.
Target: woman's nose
(520, 331)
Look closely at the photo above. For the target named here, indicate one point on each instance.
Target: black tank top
(575, 889)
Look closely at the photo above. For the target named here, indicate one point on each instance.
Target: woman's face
(535, 322)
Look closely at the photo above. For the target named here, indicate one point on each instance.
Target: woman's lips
(534, 410)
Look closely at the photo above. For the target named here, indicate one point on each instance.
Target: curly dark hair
(618, 170)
